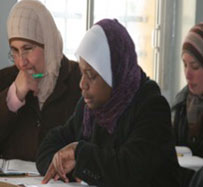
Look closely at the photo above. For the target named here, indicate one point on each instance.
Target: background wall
(5, 6)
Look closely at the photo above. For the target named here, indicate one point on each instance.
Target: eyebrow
(86, 69)
(22, 47)
(191, 61)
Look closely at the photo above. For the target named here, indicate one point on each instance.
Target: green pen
(38, 75)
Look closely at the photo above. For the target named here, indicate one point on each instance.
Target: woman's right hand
(24, 83)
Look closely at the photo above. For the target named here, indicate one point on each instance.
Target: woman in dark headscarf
(120, 133)
(188, 106)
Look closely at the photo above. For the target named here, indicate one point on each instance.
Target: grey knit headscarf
(31, 20)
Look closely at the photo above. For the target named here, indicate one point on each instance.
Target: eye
(184, 64)
(90, 75)
(14, 50)
(27, 48)
(195, 65)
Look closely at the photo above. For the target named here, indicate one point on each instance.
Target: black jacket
(140, 152)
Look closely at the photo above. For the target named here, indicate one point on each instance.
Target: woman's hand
(63, 162)
(24, 83)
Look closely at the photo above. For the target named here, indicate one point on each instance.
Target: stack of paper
(15, 167)
(187, 160)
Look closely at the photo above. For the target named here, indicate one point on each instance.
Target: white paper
(187, 160)
(36, 182)
(183, 151)
(192, 162)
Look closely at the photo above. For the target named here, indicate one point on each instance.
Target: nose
(83, 83)
(21, 62)
(188, 74)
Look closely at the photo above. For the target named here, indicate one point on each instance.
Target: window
(70, 20)
(138, 16)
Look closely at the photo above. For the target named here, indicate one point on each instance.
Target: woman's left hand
(62, 163)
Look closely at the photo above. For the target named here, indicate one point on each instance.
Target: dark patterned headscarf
(126, 77)
(193, 43)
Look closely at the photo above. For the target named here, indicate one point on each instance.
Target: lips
(87, 98)
(191, 85)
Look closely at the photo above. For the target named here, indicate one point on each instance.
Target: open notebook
(17, 167)
(187, 159)
(36, 182)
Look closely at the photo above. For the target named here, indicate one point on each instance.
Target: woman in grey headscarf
(40, 91)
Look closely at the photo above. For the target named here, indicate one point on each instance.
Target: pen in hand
(38, 75)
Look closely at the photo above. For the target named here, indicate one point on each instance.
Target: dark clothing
(197, 179)
(140, 151)
(180, 125)
(22, 132)
(186, 175)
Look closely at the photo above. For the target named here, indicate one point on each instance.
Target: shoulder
(69, 65)
(8, 70)
(148, 89)
(70, 69)
(149, 98)
(180, 97)
(7, 76)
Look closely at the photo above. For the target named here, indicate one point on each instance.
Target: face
(27, 56)
(193, 73)
(95, 90)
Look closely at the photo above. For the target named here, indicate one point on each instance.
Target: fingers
(78, 180)
(63, 162)
(51, 172)
(57, 162)
(24, 83)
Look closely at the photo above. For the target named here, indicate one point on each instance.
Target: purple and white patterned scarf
(126, 77)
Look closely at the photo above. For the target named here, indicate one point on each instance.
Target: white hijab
(94, 49)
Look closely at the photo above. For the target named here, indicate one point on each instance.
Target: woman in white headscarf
(120, 132)
(41, 90)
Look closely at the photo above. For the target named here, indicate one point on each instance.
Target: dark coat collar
(60, 88)
(181, 97)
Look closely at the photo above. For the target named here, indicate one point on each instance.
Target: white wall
(5, 6)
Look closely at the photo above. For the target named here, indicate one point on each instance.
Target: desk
(3, 184)
(35, 182)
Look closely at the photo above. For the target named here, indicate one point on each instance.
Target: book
(187, 159)
(16, 167)
(36, 182)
